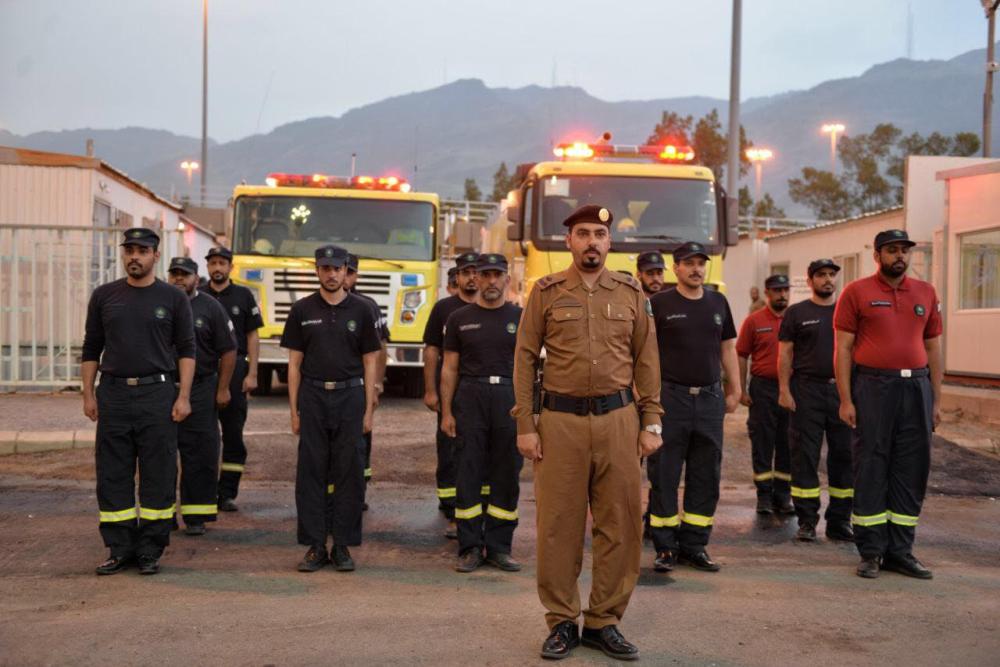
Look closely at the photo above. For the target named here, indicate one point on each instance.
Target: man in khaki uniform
(597, 330)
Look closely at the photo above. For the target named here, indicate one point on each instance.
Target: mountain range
(438, 137)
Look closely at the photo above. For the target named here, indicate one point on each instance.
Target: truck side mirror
(514, 214)
(729, 218)
(514, 232)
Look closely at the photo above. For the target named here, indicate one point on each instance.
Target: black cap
(650, 260)
(893, 236)
(352, 262)
(777, 281)
(331, 255)
(185, 264)
(141, 236)
(818, 264)
(689, 249)
(489, 261)
(590, 213)
(219, 251)
(465, 260)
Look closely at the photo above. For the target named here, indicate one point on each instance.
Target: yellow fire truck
(277, 227)
(658, 198)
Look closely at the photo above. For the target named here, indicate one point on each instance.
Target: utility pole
(733, 171)
(991, 66)
(204, 98)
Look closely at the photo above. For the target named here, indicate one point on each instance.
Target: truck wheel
(265, 375)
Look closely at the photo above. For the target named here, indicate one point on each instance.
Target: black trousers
(692, 443)
(367, 437)
(891, 449)
(767, 426)
(447, 467)
(134, 425)
(198, 446)
(817, 407)
(233, 418)
(489, 467)
(329, 481)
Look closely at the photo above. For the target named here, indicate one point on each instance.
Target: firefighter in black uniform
(198, 435)
(649, 267)
(479, 361)
(433, 344)
(139, 331)
(697, 339)
(808, 391)
(244, 313)
(452, 287)
(333, 347)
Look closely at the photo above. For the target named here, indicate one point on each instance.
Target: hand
(745, 399)
(249, 383)
(366, 423)
(732, 402)
(848, 415)
(786, 401)
(530, 446)
(649, 443)
(295, 423)
(431, 400)
(181, 409)
(90, 407)
(937, 415)
(448, 426)
(222, 397)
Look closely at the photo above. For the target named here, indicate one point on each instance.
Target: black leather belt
(137, 381)
(197, 378)
(761, 378)
(694, 391)
(815, 378)
(584, 405)
(488, 379)
(894, 372)
(337, 384)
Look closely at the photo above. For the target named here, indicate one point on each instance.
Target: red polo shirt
(890, 324)
(759, 340)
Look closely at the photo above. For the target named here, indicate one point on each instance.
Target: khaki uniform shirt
(597, 342)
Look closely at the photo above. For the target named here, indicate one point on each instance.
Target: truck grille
(290, 285)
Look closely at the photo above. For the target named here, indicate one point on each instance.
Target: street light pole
(733, 171)
(757, 156)
(991, 16)
(833, 129)
(204, 98)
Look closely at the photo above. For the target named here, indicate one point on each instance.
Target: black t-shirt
(484, 339)
(213, 333)
(332, 338)
(381, 324)
(442, 310)
(809, 327)
(140, 330)
(689, 333)
(239, 304)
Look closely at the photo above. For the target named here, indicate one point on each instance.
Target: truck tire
(265, 376)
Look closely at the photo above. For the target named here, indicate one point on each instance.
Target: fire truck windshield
(295, 226)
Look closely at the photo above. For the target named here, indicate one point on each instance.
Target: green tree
(766, 208)
(963, 144)
(865, 158)
(672, 128)
(472, 191)
(746, 201)
(822, 192)
(503, 182)
(710, 144)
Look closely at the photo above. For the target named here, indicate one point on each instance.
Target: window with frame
(979, 269)
(848, 269)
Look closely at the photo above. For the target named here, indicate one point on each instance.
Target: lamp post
(833, 129)
(990, 6)
(190, 166)
(757, 157)
(733, 170)
(204, 98)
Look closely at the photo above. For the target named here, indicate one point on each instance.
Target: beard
(779, 305)
(824, 290)
(137, 270)
(492, 294)
(331, 287)
(218, 277)
(894, 270)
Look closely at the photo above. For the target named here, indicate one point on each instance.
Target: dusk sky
(113, 63)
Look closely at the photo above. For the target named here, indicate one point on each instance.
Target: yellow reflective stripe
(664, 521)
(840, 493)
(199, 509)
(799, 492)
(485, 491)
(447, 492)
(121, 515)
(232, 467)
(500, 513)
(763, 476)
(156, 515)
(469, 512)
(870, 519)
(330, 488)
(698, 520)
(783, 476)
(902, 519)
(368, 472)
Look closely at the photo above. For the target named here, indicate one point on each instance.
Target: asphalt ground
(233, 597)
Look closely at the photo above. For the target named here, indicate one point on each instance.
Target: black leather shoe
(114, 565)
(228, 505)
(149, 564)
(194, 529)
(840, 531)
(868, 568)
(470, 561)
(806, 533)
(451, 532)
(314, 559)
(561, 641)
(665, 561)
(611, 642)
(699, 561)
(783, 505)
(341, 557)
(908, 565)
(503, 562)
(364, 507)
(765, 506)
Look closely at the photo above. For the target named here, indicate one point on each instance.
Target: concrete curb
(29, 442)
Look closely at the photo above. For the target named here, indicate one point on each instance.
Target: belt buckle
(599, 405)
(906, 373)
(583, 407)
(329, 386)
(694, 391)
(132, 382)
(494, 379)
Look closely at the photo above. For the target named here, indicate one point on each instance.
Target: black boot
(342, 560)
(611, 642)
(561, 641)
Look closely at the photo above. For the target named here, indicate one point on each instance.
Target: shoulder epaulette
(551, 279)
(626, 279)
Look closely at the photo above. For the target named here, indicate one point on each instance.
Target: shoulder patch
(626, 279)
(552, 279)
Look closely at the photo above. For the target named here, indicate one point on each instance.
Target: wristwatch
(655, 429)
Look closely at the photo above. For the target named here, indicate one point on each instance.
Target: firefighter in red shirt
(767, 424)
(888, 368)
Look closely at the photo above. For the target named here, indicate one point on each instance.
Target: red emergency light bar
(390, 183)
(581, 150)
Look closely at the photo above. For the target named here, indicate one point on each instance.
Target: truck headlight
(413, 300)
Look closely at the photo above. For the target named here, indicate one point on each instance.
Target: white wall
(745, 265)
(32, 195)
(924, 196)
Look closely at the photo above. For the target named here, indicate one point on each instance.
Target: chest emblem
(352, 325)
(199, 322)
(236, 310)
(718, 319)
(160, 312)
(919, 310)
(511, 327)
